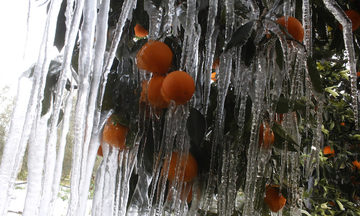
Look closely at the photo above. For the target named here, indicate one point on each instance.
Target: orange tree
(331, 188)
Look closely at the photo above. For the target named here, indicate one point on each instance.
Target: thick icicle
(35, 167)
(95, 99)
(104, 195)
(189, 55)
(339, 14)
(223, 85)
(252, 154)
(60, 155)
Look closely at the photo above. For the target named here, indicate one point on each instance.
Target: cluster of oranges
(156, 57)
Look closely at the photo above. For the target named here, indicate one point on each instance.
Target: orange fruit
(114, 134)
(154, 96)
(178, 86)
(342, 123)
(188, 167)
(273, 198)
(293, 26)
(354, 16)
(356, 164)
(213, 76)
(155, 57)
(328, 151)
(140, 31)
(331, 203)
(267, 138)
(358, 74)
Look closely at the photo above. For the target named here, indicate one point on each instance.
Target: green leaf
(196, 126)
(248, 51)
(240, 36)
(314, 76)
(281, 133)
(340, 205)
(282, 105)
(331, 91)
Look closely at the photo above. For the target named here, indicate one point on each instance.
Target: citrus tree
(206, 107)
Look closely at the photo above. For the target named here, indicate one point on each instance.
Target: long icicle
(339, 14)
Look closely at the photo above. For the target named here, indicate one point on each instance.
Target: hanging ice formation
(227, 125)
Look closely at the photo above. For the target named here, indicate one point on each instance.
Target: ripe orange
(354, 16)
(140, 31)
(114, 134)
(328, 151)
(267, 139)
(342, 123)
(293, 26)
(154, 96)
(356, 164)
(178, 86)
(188, 167)
(331, 203)
(274, 199)
(358, 74)
(213, 76)
(154, 56)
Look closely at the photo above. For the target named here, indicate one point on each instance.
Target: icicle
(95, 97)
(316, 143)
(106, 180)
(223, 85)
(252, 154)
(88, 92)
(155, 19)
(170, 13)
(10, 151)
(79, 128)
(61, 151)
(176, 124)
(35, 167)
(339, 14)
(33, 111)
(210, 45)
(189, 55)
(293, 180)
(307, 24)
